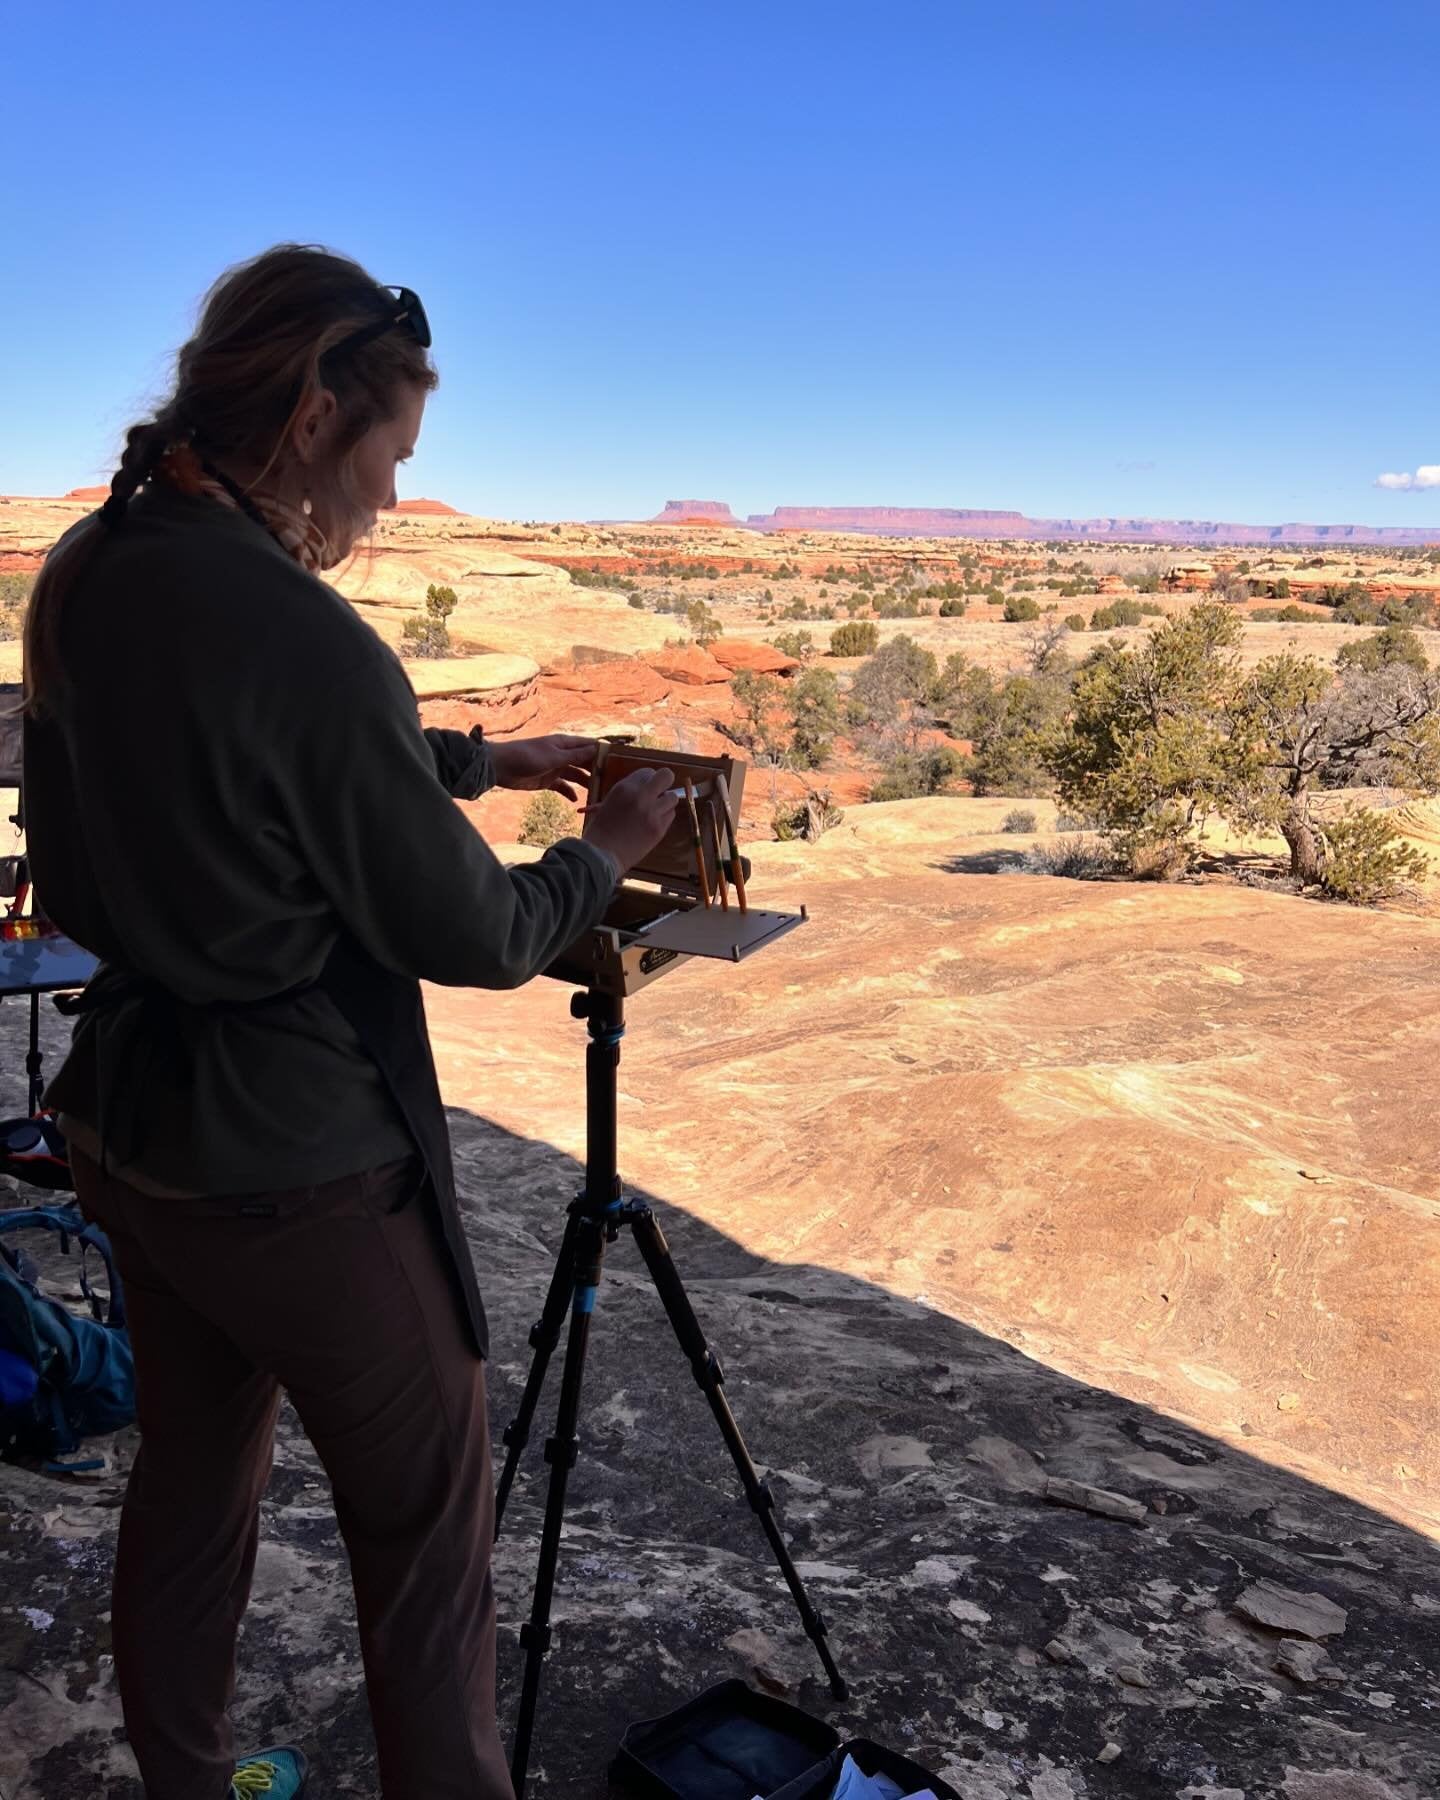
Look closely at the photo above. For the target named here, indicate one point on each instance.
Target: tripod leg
(544, 1336)
(588, 1253)
(707, 1371)
(32, 1059)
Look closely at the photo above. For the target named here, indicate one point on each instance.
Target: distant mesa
(695, 512)
(947, 521)
(92, 496)
(893, 521)
(428, 509)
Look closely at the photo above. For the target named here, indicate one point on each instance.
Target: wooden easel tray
(729, 936)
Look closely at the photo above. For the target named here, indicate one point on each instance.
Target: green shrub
(14, 598)
(637, 601)
(1392, 646)
(703, 623)
(1367, 860)
(1072, 859)
(892, 689)
(427, 634)
(896, 606)
(1353, 595)
(422, 637)
(596, 577)
(859, 638)
(1075, 621)
(1119, 612)
(1288, 615)
(812, 701)
(952, 609)
(1019, 820)
(917, 774)
(760, 698)
(798, 644)
(547, 819)
(1019, 608)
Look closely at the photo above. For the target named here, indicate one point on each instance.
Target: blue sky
(1169, 259)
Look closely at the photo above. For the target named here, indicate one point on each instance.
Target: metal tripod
(594, 1219)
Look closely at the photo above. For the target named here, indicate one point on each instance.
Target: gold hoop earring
(306, 507)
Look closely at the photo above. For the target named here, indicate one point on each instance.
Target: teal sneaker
(277, 1774)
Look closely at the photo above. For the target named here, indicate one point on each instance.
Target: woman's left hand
(554, 762)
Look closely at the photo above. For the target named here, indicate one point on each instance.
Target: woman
(231, 802)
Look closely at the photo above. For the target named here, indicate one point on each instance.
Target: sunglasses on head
(407, 314)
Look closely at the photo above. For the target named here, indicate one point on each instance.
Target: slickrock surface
(502, 691)
(977, 1184)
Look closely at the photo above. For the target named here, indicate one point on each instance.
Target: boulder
(736, 654)
(502, 693)
(1301, 1615)
(613, 685)
(689, 664)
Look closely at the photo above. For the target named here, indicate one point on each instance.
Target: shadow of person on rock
(993, 1635)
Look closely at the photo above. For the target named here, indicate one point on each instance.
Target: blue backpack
(63, 1377)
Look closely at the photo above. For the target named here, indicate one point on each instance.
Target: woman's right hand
(633, 817)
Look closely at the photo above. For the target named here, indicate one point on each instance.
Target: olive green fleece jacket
(231, 772)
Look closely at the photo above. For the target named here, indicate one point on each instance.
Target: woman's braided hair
(257, 356)
(144, 446)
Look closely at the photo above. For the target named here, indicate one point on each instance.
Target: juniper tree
(1147, 751)
(812, 701)
(891, 695)
(1300, 728)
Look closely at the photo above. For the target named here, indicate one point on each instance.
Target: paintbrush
(737, 873)
(696, 841)
(719, 855)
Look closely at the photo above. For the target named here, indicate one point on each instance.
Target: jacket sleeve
(405, 870)
(463, 762)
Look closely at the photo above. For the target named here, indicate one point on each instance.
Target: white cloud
(1426, 476)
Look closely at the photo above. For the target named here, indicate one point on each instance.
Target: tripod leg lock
(512, 1434)
(760, 1497)
(533, 1634)
(566, 1450)
(707, 1370)
(543, 1335)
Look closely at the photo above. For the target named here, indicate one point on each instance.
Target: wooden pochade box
(658, 917)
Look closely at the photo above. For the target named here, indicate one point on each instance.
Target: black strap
(237, 494)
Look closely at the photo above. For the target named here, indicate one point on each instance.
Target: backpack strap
(69, 1222)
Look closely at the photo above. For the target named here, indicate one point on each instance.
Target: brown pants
(340, 1296)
